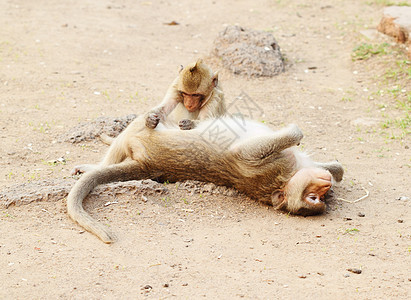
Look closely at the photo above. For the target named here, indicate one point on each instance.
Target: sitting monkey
(249, 157)
(195, 95)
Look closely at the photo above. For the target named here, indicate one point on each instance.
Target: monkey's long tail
(119, 172)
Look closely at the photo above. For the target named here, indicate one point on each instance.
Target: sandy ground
(66, 62)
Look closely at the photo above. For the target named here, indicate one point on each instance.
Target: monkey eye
(198, 96)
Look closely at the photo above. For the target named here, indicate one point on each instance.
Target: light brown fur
(195, 79)
(261, 163)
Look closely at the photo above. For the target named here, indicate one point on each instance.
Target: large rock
(249, 52)
(396, 22)
(91, 130)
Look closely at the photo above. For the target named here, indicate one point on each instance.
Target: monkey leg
(115, 154)
(129, 170)
(80, 169)
(261, 147)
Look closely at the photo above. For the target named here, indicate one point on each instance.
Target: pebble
(403, 198)
(147, 287)
(361, 215)
(354, 270)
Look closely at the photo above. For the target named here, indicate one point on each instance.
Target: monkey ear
(215, 79)
(180, 69)
(279, 200)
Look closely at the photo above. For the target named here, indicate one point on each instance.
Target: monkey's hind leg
(80, 169)
(261, 147)
(115, 154)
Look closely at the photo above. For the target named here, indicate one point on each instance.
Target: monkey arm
(169, 103)
(258, 148)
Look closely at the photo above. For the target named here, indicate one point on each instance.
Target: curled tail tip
(103, 234)
(107, 240)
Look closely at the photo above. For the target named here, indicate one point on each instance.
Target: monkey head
(195, 85)
(304, 192)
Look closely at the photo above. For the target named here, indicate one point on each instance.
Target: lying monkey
(249, 157)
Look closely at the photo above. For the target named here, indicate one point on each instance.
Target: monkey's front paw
(186, 124)
(152, 120)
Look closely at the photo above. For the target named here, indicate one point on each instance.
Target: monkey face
(304, 193)
(192, 102)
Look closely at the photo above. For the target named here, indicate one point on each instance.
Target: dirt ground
(67, 62)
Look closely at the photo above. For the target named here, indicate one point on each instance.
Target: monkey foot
(77, 170)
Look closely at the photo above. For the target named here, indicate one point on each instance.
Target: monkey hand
(152, 120)
(186, 124)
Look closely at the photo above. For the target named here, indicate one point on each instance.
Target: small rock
(302, 276)
(400, 221)
(347, 219)
(403, 198)
(361, 215)
(166, 285)
(147, 287)
(354, 270)
(347, 275)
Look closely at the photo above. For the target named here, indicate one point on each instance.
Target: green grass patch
(366, 51)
